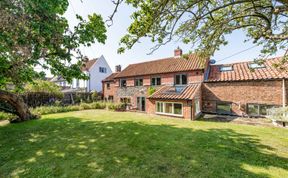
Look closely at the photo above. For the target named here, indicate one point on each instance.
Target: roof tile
(241, 71)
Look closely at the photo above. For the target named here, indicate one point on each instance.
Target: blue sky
(139, 52)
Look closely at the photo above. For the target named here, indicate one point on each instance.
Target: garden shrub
(94, 96)
(116, 106)
(58, 103)
(86, 106)
(6, 116)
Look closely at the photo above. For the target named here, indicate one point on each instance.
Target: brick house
(177, 82)
(245, 88)
(185, 88)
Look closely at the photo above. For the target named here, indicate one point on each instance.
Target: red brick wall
(109, 92)
(241, 93)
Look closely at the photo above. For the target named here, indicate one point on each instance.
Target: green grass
(98, 143)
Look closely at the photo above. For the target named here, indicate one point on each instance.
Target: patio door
(141, 104)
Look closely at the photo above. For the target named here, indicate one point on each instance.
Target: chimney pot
(178, 52)
(118, 68)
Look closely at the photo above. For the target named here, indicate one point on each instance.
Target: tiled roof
(166, 65)
(87, 65)
(241, 71)
(111, 77)
(169, 92)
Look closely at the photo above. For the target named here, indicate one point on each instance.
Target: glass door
(141, 103)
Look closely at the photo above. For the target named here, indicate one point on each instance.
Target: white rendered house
(96, 69)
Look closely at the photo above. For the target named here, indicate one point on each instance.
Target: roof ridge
(166, 58)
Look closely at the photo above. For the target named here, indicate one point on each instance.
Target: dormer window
(256, 66)
(226, 68)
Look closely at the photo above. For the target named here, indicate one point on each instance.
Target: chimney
(118, 68)
(178, 52)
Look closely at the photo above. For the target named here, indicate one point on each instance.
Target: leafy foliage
(35, 33)
(205, 24)
(44, 86)
(151, 90)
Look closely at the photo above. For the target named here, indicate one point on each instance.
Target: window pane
(224, 108)
(177, 79)
(197, 106)
(153, 81)
(159, 107)
(123, 83)
(252, 109)
(263, 110)
(168, 108)
(158, 81)
(177, 108)
(184, 79)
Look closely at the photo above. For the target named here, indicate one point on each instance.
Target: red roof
(169, 92)
(110, 77)
(167, 65)
(241, 71)
(87, 65)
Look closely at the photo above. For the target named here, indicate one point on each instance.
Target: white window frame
(181, 81)
(164, 113)
(156, 81)
(226, 68)
(103, 70)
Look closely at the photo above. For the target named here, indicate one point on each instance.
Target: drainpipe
(283, 93)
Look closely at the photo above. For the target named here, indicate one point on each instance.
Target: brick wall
(241, 93)
(109, 92)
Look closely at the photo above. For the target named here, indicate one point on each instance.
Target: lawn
(98, 143)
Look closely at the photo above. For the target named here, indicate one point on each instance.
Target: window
(226, 68)
(258, 109)
(181, 79)
(155, 81)
(141, 104)
(108, 86)
(138, 82)
(123, 83)
(125, 100)
(77, 83)
(223, 108)
(159, 107)
(256, 66)
(102, 70)
(169, 108)
(197, 106)
(110, 98)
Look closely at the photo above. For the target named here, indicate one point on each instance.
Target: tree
(205, 24)
(35, 33)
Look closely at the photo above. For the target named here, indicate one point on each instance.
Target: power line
(237, 53)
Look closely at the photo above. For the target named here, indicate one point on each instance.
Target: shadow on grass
(72, 147)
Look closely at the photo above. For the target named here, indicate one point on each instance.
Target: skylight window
(226, 68)
(256, 66)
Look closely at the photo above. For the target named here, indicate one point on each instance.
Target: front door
(141, 103)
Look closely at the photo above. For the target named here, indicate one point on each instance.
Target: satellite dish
(212, 61)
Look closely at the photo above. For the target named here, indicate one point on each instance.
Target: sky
(139, 53)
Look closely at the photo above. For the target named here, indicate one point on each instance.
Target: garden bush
(86, 106)
(116, 106)
(6, 116)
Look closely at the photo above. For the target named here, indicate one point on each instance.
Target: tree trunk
(18, 104)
